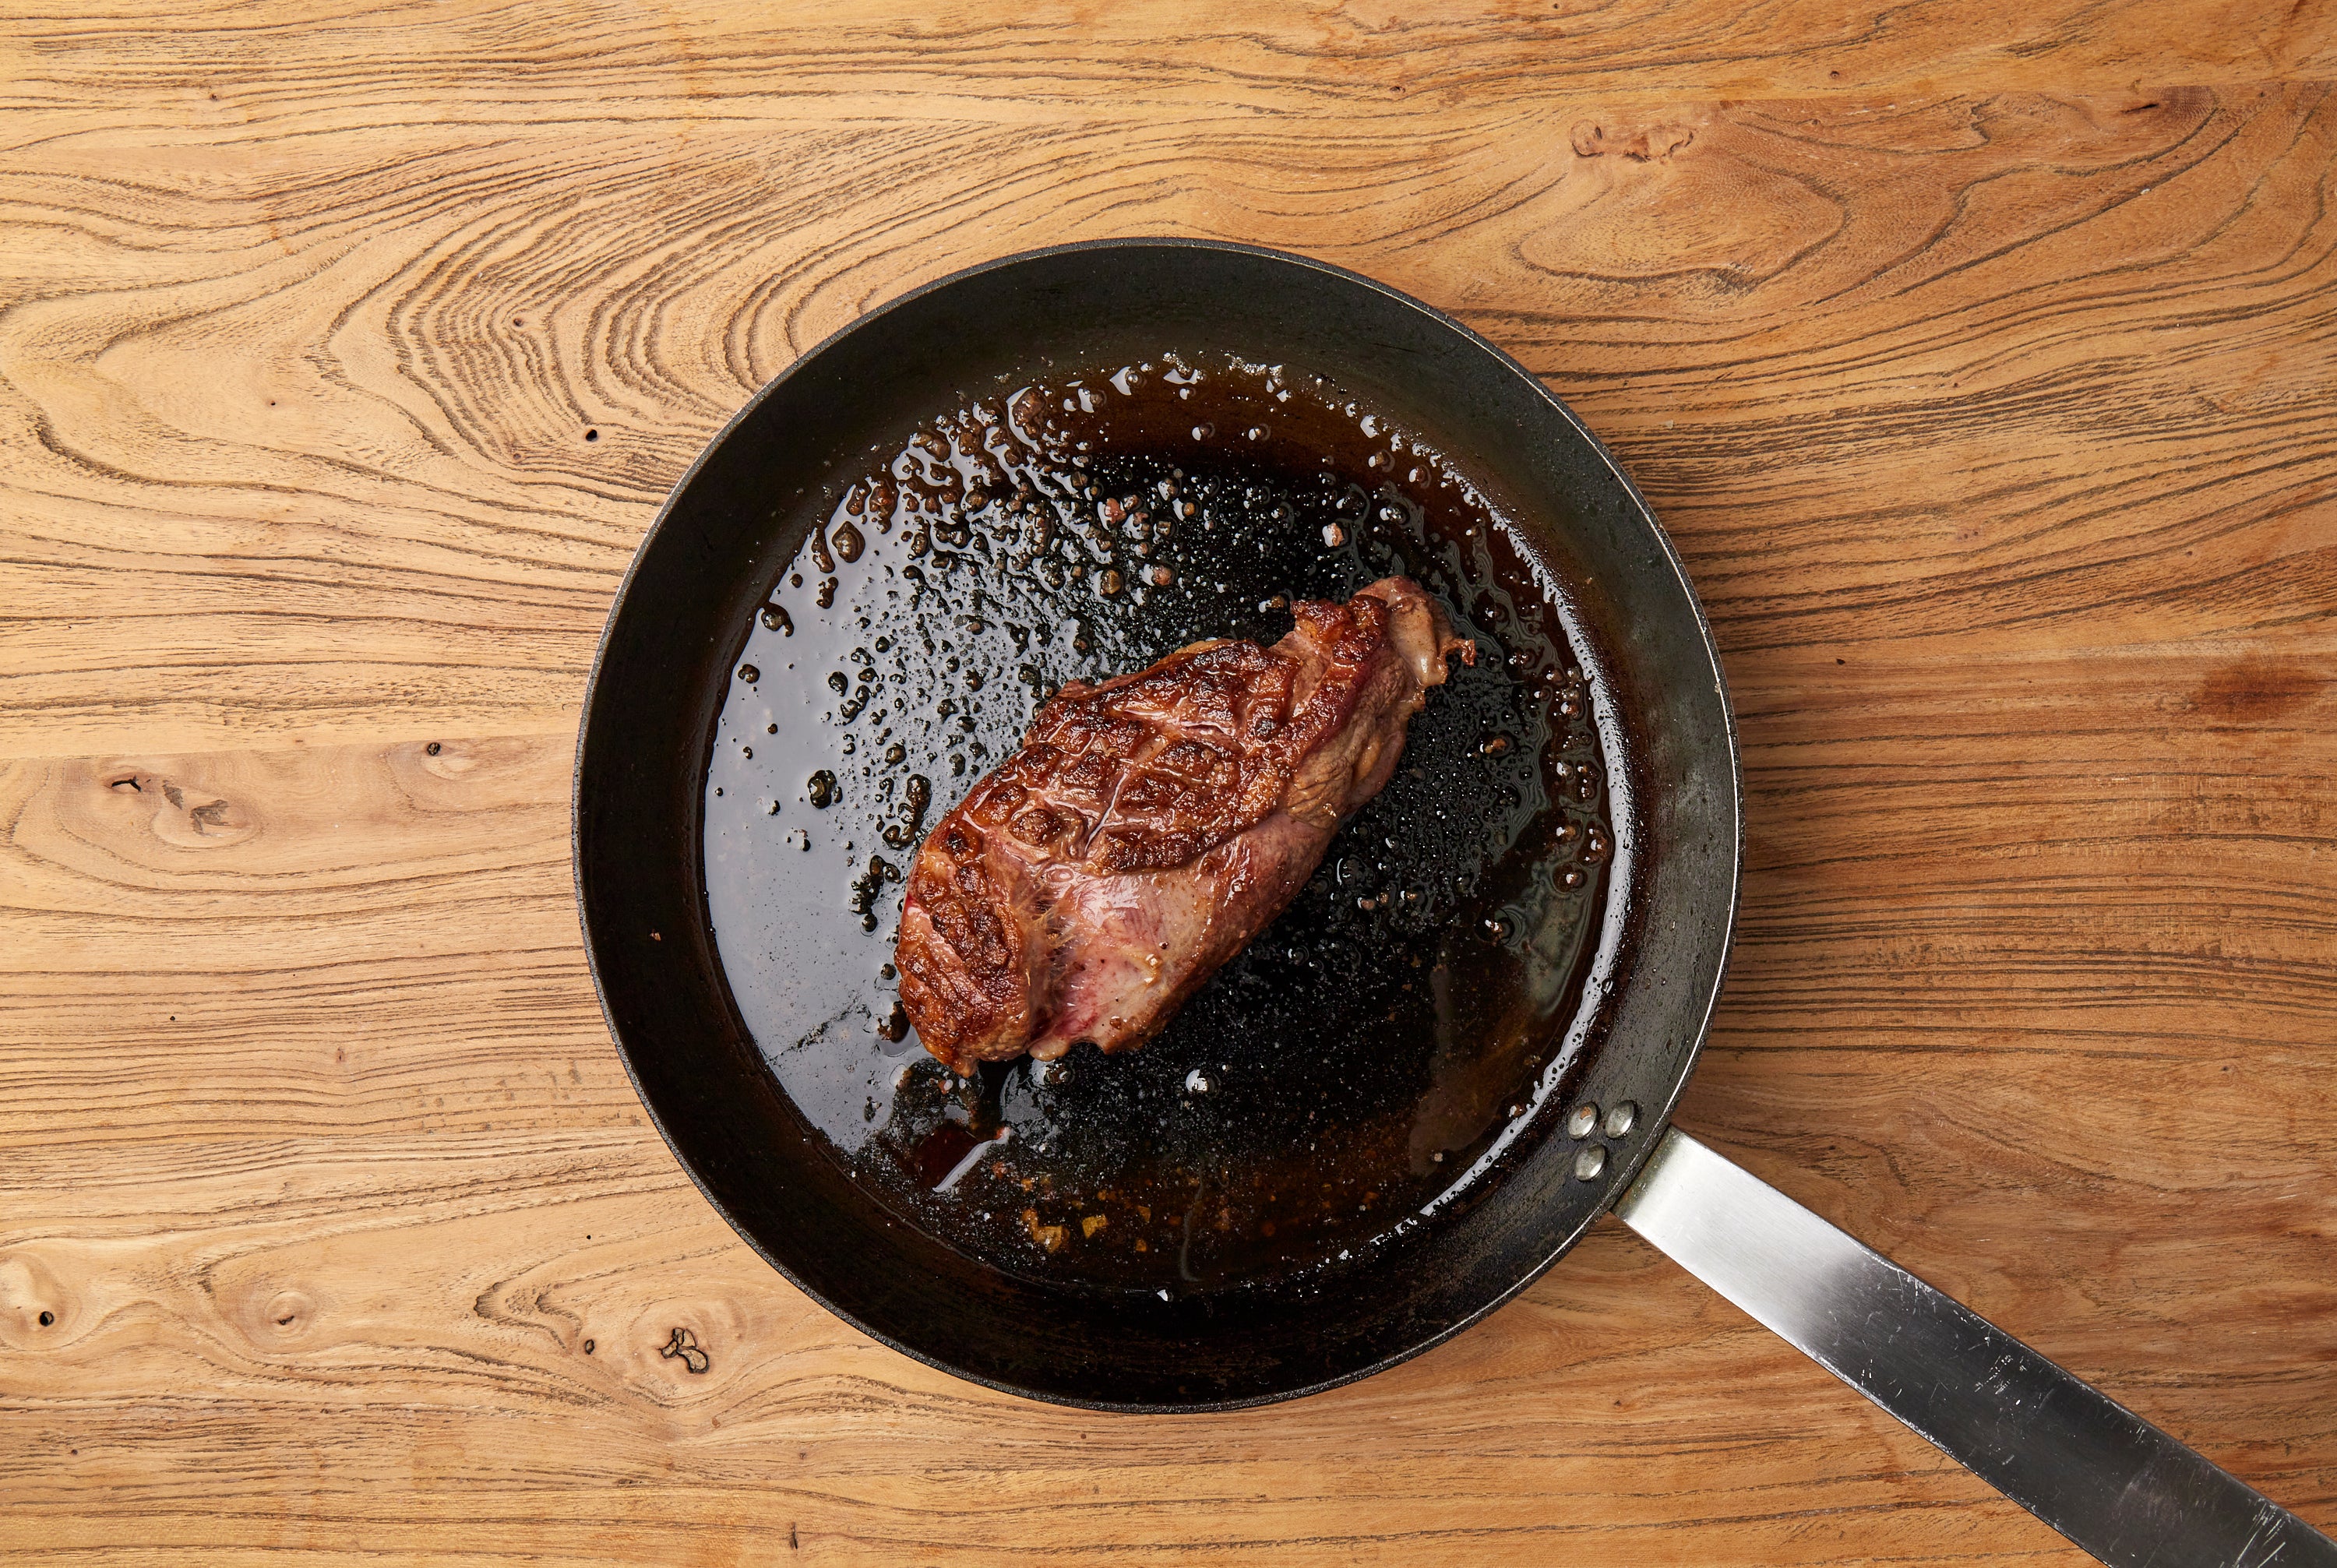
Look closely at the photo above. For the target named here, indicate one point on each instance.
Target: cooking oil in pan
(1355, 1062)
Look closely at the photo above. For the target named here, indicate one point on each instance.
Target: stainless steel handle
(2079, 1460)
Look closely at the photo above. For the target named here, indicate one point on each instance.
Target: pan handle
(2084, 1463)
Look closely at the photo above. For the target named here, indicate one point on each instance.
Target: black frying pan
(670, 663)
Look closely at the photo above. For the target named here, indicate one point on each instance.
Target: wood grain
(1979, 357)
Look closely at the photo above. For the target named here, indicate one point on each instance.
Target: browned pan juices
(1359, 1062)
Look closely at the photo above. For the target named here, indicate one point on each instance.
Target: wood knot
(184, 814)
(36, 1311)
(287, 1313)
(449, 758)
(272, 1316)
(683, 1346)
(1650, 144)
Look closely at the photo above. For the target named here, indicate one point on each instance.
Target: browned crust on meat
(1145, 772)
(965, 963)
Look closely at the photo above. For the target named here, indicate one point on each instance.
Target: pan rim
(1624, 1171)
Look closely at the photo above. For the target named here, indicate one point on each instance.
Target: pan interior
(1362, 1061)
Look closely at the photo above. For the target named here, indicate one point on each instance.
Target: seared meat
(1151, 826)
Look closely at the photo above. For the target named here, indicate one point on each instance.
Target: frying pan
(2111, 1481)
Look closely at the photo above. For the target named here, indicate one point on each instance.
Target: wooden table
(1981, 358)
